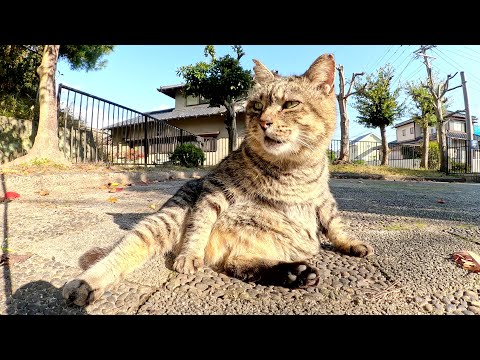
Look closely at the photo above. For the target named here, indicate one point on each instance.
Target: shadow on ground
(40, 298)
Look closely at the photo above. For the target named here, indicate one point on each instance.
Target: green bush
(187, 155)
(433, 155)
(358, 162)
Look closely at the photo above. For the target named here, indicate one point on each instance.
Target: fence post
(446, 170)
(146, 141)
(181, 136)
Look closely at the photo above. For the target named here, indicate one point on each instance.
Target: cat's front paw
(80, 293)
(361, 249)
(187, 264)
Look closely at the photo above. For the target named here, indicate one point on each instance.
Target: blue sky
(134, 72)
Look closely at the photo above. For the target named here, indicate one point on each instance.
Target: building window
(411, 130)
(404, 132)
(209, 142)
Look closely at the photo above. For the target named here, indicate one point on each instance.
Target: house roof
(359, 138)
(170, 90)
(193, 111)
(455, 116)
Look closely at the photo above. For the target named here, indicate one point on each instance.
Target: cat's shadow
(40, 298)
(126, 221)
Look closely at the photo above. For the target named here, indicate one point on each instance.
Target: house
(409, 132)
(193, 120)
(366, 147)
(410, 137)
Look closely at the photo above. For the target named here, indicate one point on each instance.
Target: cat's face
(292, 116)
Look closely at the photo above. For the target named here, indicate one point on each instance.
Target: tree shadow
(40, 298)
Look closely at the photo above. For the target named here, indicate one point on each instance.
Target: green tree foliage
(84, 57)
(377, 104)
(18, 80)
(423, 114)
(187, 155)
(222, 81)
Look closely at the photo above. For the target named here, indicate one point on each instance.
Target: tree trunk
(45, 146)
(442, 140)
(342, 106)
(426, 138)
(231, 124)
(383, 132)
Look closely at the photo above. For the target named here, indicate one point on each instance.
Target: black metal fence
(370, 153)
(463, 158)
(92, 129)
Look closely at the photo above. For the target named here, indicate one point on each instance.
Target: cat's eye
(258, 105)
(290, 104)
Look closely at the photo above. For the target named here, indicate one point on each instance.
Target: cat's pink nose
(265, 124)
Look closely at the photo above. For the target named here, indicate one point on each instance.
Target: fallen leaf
(152, 206)
(468, 260)
(9, 196)
(104, 187)
(112, 199)
(12, 258)
(113, 184)
(44, 192)
(440, 201)
(118, 189)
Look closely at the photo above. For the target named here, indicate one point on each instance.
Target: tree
(342, 98)
(222, 81)
(80, 57)
(424, 115)
(438, 91)
(377, 105)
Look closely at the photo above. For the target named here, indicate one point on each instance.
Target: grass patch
(386, 172)
(403, 227)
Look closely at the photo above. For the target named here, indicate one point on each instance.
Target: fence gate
(463, 158)
(92, 129)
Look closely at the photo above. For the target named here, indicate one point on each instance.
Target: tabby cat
(262, 211)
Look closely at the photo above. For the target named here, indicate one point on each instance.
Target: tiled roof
(182, 113)
(403, 123)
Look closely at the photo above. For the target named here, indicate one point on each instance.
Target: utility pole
(342, 98)
(438, 91)
(468, 123)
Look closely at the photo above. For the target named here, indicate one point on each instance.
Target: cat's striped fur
(260, 214)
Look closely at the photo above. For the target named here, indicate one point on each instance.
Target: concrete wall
(408, 135)
(16, 137)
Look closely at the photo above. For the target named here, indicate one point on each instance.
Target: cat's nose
(265, 124)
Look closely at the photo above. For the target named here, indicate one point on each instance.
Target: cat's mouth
(272, 142)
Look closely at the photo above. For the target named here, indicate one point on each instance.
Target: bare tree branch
(352, 83)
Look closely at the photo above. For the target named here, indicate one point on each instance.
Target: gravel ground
(414, 227)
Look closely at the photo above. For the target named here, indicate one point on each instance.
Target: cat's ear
(262, 74)
(322, 72)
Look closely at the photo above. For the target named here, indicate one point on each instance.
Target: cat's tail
(156, 234)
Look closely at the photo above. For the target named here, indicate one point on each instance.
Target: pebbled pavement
(414, 227)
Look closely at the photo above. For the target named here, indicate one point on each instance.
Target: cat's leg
(296, 274)
(156, 234)
(211, 203)
(332, 226)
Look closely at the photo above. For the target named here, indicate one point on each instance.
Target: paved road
(412, 272)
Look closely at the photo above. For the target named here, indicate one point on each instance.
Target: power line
(463, 56)
(386, 61)
(381, 58)
(469, 48)
(400, 76)
(401, 55)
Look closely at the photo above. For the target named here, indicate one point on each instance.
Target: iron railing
(462, 157)
(370, 153)
(92, 129)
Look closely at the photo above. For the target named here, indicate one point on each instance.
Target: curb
(338, 175)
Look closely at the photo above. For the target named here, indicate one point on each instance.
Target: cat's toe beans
(187, 264)
(361, 250)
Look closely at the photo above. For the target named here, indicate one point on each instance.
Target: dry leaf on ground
(468, 260)
(117, 189)
(44, 192)
(440, 201)
(9, 196)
